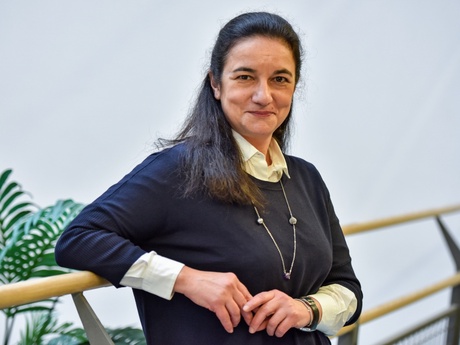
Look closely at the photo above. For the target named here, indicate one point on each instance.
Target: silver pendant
(287, 275)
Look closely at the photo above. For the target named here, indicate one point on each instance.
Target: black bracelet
(314, 308)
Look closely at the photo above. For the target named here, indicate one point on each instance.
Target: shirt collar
(255, 163)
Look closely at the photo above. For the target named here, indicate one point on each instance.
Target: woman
(223, 237)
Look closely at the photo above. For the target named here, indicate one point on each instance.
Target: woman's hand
(221, 293)
(276, 312)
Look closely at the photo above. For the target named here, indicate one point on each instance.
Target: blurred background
(86, 87)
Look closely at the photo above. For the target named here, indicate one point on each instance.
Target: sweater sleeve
(108, 236)
(96, 249)
(342, 272)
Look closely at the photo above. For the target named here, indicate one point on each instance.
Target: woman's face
(256, 88)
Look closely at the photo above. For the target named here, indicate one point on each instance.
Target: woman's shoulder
(165, 159)
(305, 173)
(297, 163)
(158, 168)
(300, 168)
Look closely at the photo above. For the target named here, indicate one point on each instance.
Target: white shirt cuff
(153, 273)
(338, 304)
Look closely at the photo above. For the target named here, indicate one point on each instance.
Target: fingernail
(251, 330)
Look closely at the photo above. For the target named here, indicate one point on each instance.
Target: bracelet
(308, 308)
(314, 310)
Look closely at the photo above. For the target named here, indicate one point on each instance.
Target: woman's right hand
(221, 293)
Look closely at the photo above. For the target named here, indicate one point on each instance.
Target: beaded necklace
(293, 221)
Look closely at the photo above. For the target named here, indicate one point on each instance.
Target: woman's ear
(215, 86)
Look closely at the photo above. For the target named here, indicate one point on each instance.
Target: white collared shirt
(255, 163)
(157, 275)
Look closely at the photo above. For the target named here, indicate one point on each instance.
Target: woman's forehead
(258, 50)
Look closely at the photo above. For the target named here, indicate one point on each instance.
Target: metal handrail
(405, 218)
(402, 336)
(398, 303)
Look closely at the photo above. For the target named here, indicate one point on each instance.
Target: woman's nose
(262, 94)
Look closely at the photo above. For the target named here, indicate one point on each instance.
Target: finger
(245, 294)
(282, 328)
(242, 296)
(234, 312)
(274, 323)
(247, 317)
(261, 327)
(260, 319)
(225, 319)
(241, 299)
(230, 315)
(258, 300)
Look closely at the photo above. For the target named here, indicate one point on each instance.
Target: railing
(349, 335)
(76, 283)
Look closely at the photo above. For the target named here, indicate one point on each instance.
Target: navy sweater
(145, 212)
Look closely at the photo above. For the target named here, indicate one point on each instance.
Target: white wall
(87, 86)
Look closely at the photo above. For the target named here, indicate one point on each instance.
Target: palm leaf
(11, 210)
(29, 253)
(39, 327)
(31, 307)
(120, 336)
(75, 336)
(127, 336)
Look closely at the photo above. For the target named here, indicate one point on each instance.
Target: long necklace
(293, 222)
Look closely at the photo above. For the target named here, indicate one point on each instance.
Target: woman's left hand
(276, 312)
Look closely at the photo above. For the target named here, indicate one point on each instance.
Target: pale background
(87, 86)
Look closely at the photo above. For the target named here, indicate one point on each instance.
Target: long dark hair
(212, 162)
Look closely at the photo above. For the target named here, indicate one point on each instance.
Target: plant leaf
(29, 251)
(4, 176)
(11, 210)
(76, 336)
(127, 336)
(39, 326)
(30, 254)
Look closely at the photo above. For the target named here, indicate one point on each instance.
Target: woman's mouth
(261, 113)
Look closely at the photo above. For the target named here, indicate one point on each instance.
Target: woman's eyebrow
(251, 70)
(284, 71)
(244, 69)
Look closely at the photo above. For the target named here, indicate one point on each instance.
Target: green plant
(27, 239)
(43, 324)
(28, 235)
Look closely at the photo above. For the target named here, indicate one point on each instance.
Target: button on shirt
(157, 275)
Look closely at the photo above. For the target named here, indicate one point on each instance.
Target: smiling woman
(223, 237)
(256, 88)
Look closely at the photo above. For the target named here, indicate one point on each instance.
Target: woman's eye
(244, 77)
(281, 79)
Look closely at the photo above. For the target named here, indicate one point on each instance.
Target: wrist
(183, 280)
(313, 311)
